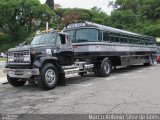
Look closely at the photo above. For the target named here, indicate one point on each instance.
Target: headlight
(26, 58)
(10, 58)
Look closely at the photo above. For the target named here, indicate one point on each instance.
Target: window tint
(105, 36)
(114, 38)
(135, 41)
(124, 40)
(141, 41)
(87, 35)
(151, 42)
(71, 35)
(130, 40)
(147, 42)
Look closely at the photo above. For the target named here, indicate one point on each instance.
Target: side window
(141, 41)
(105, 36)
(63, 39)
(68, 39)
(130, 40)
(135, 41)
(114, 37)
(147, 42)
(124, 39)
(71, 35)
(151, 42)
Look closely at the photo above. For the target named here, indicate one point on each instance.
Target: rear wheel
(48, 77)
(104, 69)
(16, 82)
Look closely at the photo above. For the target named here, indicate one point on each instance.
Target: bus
(106, 47)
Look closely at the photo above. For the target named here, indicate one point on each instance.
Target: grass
(3, 59)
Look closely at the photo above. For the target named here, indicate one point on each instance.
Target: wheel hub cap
(50, 76)
(107, 67)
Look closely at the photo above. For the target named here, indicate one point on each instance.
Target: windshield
(83, 35)
(44, 39)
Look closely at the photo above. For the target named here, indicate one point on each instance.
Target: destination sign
(73, 25)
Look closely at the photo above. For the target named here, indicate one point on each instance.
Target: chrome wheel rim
(50, 76)
(107, 67)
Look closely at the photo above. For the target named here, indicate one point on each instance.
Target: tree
(141, 16)
(67, 15)
(18, 17)
(123, 20)
(151, 9)
(133, 5)
(50, 3)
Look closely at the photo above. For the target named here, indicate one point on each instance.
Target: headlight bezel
(10, 58)
(26, 58)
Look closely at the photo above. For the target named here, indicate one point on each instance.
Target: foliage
(19, 17)
(153, 30)
(65, 16)
(141, 16)
(123, 19)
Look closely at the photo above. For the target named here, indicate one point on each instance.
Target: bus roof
(85, 24)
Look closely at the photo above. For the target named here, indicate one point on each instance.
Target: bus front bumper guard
(21, 73)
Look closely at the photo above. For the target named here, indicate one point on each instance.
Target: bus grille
(19, 57)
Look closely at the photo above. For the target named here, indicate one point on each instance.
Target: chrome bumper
(21, 73)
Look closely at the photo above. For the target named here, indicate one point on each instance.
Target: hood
(29, 47)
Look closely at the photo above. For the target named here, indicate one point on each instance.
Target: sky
(86, 4)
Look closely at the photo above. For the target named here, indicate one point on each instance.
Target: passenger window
(105, 36)
(130, 41)
(147, 42)
(114, 38)
(151, 42)
(141, 42)
(135, 41)
(124, 40)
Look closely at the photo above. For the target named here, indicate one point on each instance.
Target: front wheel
(104, 69)
(48, 77)
(16, 82)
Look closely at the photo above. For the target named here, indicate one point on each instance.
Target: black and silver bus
(105, 46)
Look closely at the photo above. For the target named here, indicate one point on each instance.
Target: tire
(103, 70)
(48, 77)
(15, 81)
